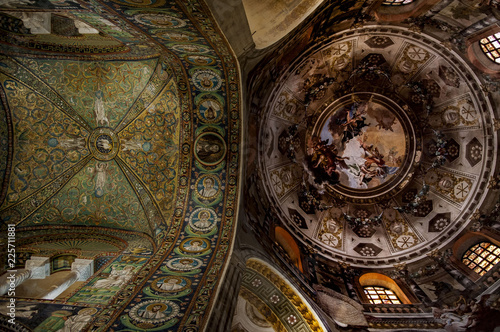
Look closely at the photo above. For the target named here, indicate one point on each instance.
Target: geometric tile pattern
(474, 152)
(439, 222)
(367, 249)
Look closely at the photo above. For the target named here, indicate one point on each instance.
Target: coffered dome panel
(373, 143)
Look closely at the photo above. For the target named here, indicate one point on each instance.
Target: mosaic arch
(279, 302)
(133, 130)
(369, 155)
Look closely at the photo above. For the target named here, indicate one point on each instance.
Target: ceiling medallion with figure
(362, 146)
(104, 143)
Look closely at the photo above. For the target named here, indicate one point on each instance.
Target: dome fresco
(374, 127)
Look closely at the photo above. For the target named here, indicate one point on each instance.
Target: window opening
(491, 47)
(482, 257)
(381, 295)
(396, 2)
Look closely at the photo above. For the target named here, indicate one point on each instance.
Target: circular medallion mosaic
(184, 264)
(203, 219)
(190, 48)
(158, 20)
(154, 311)
(210, 148)
(208, 186)
(200, 60)
(179, 36)
(170, 284)
(104, 143)
(194, 245)
(207, 80)
(210, 110)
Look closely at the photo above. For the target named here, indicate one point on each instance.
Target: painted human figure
(194, 246)
(101, 172)
(206, 149)
(76, 323)
(76, 143)
(100, 113)
(203, 221)
(116, 278)
(326, 156)
(153, 312)
(172, 284)
(354, 121)
(132, 144)
(210, 113)
(208, 188)
(183, 264)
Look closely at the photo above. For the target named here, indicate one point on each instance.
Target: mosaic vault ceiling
(377, 145)
(121, 139)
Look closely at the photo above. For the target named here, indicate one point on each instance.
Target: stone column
(84, 268)
(56, 290)
(81, 270)
(39, 266)
(12, 280)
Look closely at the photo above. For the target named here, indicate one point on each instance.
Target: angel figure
(363, 222)
(326, 156)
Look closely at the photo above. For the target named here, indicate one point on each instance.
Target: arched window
(377, 288)
(396, 2)
(481, 257)
(491, 47)
(381, 295)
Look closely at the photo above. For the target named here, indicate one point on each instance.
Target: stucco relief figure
(100, 113)
(467, 316)
(116, 278)
(76, 323)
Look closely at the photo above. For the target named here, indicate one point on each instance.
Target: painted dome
(370, 143)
